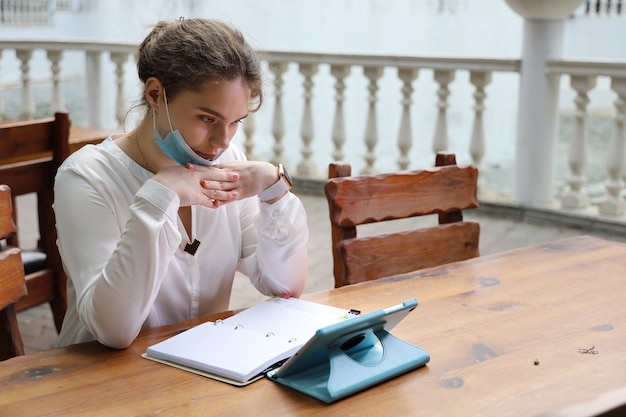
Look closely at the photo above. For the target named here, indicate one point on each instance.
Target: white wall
(470, 28)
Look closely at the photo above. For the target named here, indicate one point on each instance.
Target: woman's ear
(153, 92)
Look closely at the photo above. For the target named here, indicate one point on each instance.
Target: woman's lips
(208, 156)
(211, 156)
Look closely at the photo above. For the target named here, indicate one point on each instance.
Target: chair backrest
(444, 190)
(30, 153)
(12, 282)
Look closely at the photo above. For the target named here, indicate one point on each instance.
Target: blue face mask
(175, 147)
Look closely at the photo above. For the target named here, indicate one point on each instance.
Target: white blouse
(122, 245)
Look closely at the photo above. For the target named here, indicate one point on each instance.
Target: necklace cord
(145, 160)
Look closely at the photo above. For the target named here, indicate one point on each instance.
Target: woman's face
(208, 118)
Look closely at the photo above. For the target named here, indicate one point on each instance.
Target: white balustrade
(25, 12)
(342, 70)
(602, 8)
(583, 77)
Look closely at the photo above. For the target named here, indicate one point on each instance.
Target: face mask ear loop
(167, 111)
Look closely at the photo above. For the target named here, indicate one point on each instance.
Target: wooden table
(81, 136)
(539, 331)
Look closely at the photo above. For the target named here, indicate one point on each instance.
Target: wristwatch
(277, 189)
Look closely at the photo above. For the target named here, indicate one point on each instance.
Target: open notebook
(241, 348)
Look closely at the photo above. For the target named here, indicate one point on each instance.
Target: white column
(538, 99)
(537, 113)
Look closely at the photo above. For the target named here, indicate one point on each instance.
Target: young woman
(153, 224)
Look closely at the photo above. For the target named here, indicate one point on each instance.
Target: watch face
(283, 173)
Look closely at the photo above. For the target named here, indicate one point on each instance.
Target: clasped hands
(219, 184)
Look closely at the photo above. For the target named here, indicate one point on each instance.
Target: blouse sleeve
(116, 275)
(274, 252)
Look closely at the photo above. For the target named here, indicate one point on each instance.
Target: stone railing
(323, 107)
(21, 12)
(605, 8)
(583, 77)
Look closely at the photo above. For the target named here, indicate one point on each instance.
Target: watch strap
(275, 190)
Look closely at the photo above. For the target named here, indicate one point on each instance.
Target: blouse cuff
(277, 217)
(160, 196)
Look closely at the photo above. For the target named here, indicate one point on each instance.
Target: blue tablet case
(351, 356)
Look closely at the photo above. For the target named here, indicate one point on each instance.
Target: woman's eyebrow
(218, 114)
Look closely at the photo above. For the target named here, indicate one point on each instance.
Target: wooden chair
(30, 154)
(12, 283)
(445, 190)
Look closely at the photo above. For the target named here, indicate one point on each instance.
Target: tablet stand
(342, 372)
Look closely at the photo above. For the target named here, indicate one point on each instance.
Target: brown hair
(186, 53)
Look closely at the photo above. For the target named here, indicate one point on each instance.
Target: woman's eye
(207, 119)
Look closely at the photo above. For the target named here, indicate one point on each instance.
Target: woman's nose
(221, 137)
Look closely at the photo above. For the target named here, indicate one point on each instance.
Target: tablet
(346, 357)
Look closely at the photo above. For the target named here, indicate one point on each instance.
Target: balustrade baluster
(1, 98)
(405, 134)
(278, 123)
(373, 74)
(480, 80)
(28, 103)
(58, 104)
(249, 128)
(577, 157)
(340, 72)
(440, 139)
(119, 59)
(307, 131)
(93, 81)
(613, 203)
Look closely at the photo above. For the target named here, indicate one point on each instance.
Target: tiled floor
(497, 234)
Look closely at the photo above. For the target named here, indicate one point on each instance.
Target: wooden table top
(81, 136)
(538, 331)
